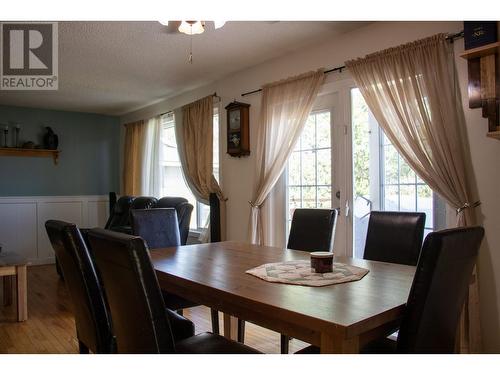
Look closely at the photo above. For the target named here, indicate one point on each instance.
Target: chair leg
(215, 321)
(83, 348)
(180, 312)
(284, 344)
(241, 331)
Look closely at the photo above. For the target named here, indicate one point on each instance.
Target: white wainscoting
(22, 221)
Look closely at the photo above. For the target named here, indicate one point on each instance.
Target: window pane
(324, 167)
(425, 203)
(309, 134)
(203, 214)
(294, 169)
(390, 165)
(419, 180)
(385, 140)
(407, 198)
(309, 197)
(391, 198)
(324, 197)
(308, 168)
(294, 199)
(323, 129)
(406, 174)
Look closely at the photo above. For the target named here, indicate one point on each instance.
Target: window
(401, 189)
(309, 177)
(382, 180)
(173, 183)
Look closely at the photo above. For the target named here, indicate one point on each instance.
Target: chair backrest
(313, 229)
(120, 215)
(394, 237)
(184, 210)
(140, 203)
(93, 324)
(112, 200)
(157, 226)
(137, 309)
(439, 290)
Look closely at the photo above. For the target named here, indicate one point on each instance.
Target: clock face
(234, 120)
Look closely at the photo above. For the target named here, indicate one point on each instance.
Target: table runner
(299, 272)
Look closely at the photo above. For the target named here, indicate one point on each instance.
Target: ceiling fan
(191, 27)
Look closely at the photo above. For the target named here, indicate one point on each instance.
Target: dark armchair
(183, 209)
(119, 216)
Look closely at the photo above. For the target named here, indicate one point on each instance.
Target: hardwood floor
(50, 327)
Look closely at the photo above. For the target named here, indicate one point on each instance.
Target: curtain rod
(214, 95)
(339, 69)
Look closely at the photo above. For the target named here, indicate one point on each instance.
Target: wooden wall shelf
(484, 83)
(488, 49)
(34, 153)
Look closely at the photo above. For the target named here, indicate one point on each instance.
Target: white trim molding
(22, 221)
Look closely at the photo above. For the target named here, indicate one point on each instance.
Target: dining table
(339, 318)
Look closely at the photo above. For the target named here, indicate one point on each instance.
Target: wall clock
(238, 132)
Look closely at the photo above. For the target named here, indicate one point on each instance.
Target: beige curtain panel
(135, 133)
(413, 93)
(285, 106)
(194, 133)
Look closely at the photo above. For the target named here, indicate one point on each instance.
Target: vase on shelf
(50, 140)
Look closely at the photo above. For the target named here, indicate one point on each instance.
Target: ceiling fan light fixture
(192, 27)
(219, 24)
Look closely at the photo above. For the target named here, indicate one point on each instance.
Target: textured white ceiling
(115, 67)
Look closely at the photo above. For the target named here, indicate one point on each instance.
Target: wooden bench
(15, 265)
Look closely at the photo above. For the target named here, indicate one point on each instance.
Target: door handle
(347, 208)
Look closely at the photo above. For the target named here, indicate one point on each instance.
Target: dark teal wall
(89, 159)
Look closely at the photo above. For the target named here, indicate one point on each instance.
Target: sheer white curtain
(413, 93)
(151, 180)
(285, 106)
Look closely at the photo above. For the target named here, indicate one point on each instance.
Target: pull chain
(190, 58)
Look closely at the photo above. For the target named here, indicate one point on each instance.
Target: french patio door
(318, 170)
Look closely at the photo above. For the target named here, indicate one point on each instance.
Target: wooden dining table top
(214, 274)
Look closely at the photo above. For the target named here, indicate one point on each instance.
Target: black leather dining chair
(394, 237)
(437, 295)
(143, 326)
(159, 228)
(312, 229)
(93, 325)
